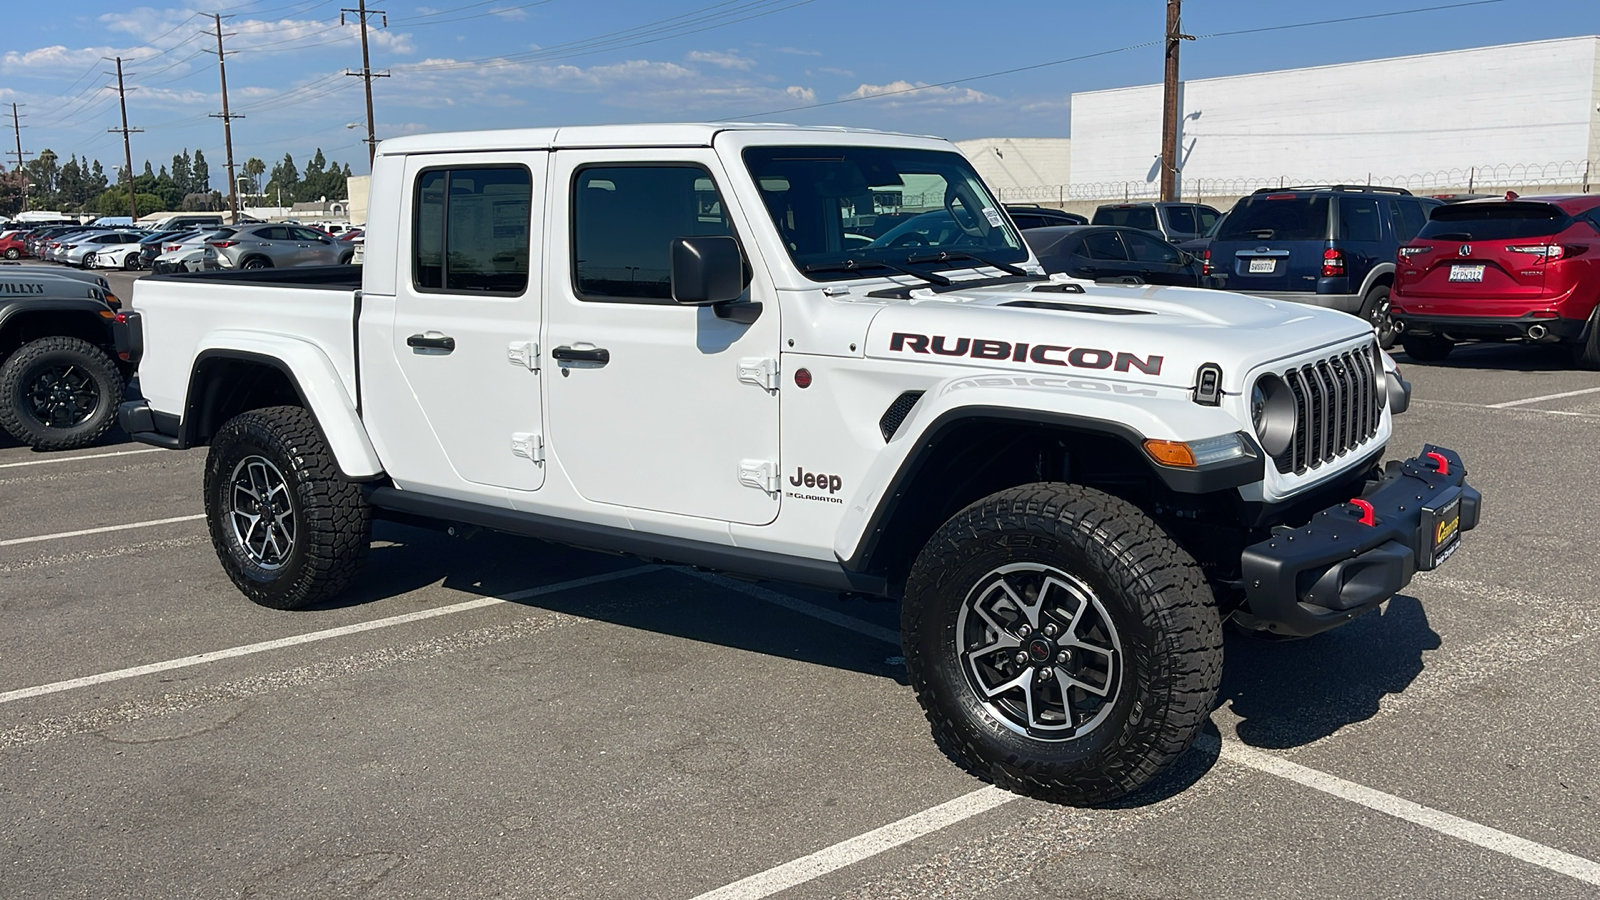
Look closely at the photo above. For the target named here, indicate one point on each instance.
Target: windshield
(839, 209)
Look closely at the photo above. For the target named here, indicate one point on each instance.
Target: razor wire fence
(1568, 173)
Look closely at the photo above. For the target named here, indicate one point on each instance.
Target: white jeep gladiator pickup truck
(819, 356)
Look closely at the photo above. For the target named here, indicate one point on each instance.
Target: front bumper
(1351, 557)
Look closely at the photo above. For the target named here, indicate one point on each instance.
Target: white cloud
(47, 60)
(906, 92)
(722, 60)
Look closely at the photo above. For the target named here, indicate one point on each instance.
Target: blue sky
(459, 64)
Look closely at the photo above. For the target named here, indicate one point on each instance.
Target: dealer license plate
(1466, 273)
(1446, 531)
(1263, 266)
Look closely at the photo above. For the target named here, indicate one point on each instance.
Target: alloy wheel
(62, 396)
(261, 512)
(1040, 651)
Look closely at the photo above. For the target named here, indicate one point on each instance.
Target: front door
(655, 405)
(467, 310)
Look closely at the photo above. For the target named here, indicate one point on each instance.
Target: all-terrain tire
(1152, 592)
(331, 522)
(1375, 309)
(1428, 349)
(76, 359)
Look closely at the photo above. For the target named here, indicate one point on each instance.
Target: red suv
(1522, 268)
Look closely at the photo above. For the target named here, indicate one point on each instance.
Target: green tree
(200, 173)
(182, 172)
(253, 170)
(285, 180)
(42, 173)
(114, 202)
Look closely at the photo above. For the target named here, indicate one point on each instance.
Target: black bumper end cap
(137, 419)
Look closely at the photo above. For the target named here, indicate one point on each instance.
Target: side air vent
(897, 412)
(1076, 307)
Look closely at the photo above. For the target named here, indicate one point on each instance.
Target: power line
(1102, 53)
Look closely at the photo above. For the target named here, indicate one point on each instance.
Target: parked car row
(193, 248)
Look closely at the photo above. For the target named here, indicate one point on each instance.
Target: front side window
(470, 233)
(624, 220)
(829, 205)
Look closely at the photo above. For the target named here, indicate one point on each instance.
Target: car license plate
(1466, 273)
(1263, 266)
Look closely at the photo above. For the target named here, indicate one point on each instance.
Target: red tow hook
(1444, 464)
(1366, 511)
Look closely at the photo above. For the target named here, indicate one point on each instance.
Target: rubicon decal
(1040, 354)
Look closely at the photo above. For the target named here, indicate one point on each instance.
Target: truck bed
(327, 277)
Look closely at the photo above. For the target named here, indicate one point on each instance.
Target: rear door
(1105, 256)
(1469, 256)
(468, 311)
(1157, 261)
(1273, 242)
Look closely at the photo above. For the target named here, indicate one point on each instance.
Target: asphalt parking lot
(496, 717)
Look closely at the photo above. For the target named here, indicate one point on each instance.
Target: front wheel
(289, 529)
(1375, 309)
(59, 393)
(1060, 643)
(13, 253)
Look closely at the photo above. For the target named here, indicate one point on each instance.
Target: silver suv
(273, 246)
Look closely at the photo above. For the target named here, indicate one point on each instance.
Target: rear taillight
(223, 245)
(170, 247)
(1408, 252)
(1332, 263)
(1547, 252)
(1205, 262)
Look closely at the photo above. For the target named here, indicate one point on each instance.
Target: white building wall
(1020, 165)
(1410, 120)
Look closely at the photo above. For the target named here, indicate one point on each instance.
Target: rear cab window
(1277, 217)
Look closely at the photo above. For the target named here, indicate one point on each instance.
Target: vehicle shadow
(1291, 693)
(405, 558)
(1504, 357)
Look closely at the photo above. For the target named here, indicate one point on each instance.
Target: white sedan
(117, 250)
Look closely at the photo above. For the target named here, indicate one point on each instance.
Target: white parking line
(1510, 403)
(67, 459)
(865, 846)
(311, 637)
(845, 853)
(12, 542)
(1584, 870)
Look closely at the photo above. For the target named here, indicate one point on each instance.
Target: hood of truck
(1136, 333)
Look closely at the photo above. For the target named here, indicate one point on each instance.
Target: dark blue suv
(1332, 246)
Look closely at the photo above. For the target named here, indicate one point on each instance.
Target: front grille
(1337, 408)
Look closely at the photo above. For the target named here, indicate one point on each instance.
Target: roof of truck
(690, 134)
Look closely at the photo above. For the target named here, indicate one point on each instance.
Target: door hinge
(761, 372)
(761, 474)
(528, 446)
(525, 354)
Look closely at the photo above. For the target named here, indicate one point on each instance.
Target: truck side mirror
(706, 270)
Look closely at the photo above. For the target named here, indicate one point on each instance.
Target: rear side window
(1277, 217)
(1408, 217)
(1358, 219)
(1495, 221)
(1145, 248)
(1104, 245)
(624, 219)
(1025, 222)
(1181, 219)
(1132, 217)
(470, 231)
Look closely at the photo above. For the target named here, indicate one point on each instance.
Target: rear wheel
(59, 393)
(289, 530)
(130, 261)
(1375, 309)
(1430, 348)
(255, 262)
(13, 253)
(1586, 353)
(1060, 643)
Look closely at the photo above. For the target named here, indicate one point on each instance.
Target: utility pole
(227, 121)
(127, 148)
(16, 126)
(366, 73)
(1169, 102)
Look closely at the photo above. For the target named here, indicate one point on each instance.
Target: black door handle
(422, 341)
(573, 354)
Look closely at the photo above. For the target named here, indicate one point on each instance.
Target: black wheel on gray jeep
(1060, 643)
(59, 393)
(1375, 309)
(1586, 353)
(1427, 348)
(290, 530)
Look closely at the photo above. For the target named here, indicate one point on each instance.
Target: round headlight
(1272, 413)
